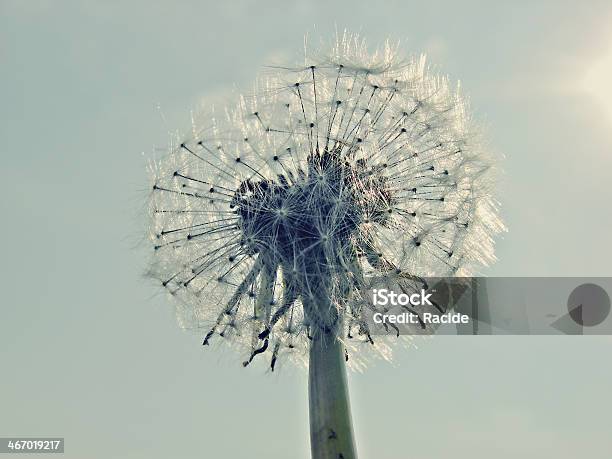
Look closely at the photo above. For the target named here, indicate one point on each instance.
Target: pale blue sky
(91, 351)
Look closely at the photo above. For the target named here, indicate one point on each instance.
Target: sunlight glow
(597, 82)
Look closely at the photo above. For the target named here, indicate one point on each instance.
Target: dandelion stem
(331, 430)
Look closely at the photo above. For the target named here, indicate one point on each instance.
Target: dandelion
(270, 222)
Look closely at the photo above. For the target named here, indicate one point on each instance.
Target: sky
(90, 349)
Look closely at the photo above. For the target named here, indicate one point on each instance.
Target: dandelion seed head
(269, 222)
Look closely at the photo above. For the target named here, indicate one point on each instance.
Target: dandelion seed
(270, 223)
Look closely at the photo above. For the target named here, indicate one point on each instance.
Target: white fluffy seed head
(269, 223)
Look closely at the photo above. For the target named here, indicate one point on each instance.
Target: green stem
(331, 431)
